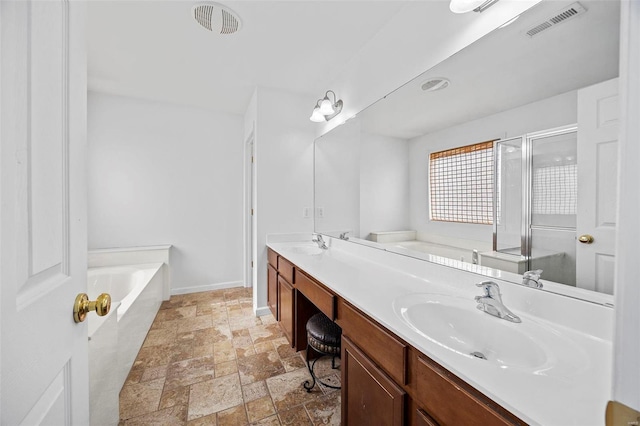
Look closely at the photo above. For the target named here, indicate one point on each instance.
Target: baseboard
(206, 287)
(260, 312)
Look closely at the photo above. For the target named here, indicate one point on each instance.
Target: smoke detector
(559, 17)
(216, 18)
(434, 84)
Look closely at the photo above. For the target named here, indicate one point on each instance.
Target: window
(461, 184)
(555, 190)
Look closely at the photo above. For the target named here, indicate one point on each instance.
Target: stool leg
(309, 385)
(306, 384)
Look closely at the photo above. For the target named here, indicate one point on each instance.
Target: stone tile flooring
(207, 360)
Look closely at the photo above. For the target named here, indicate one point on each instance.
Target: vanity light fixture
(326, 109)
(464, 6)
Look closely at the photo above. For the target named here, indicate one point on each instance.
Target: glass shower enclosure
(535, 203)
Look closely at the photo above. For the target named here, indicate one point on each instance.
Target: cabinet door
(286, 299)
(272, 290)
(369, 396)
(423, 419)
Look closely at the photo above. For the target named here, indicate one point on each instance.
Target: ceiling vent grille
(216, 18)
(434, 84)
(561, 16)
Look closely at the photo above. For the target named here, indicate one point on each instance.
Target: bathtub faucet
(491, 302)
(317, 238)
(532, 278)
(343, 235)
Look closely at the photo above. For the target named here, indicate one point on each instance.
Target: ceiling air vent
(559, 17)
(435, 84)
(216, 18)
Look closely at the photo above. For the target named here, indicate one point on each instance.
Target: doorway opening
(249, 202)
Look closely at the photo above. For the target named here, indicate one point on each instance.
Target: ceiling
(506, 69)
(155, 49)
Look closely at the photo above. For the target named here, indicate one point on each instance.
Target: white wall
(337, 181)
(284, 173)
(384, 184)
(361, 182)
(168, 174)
(549, 113)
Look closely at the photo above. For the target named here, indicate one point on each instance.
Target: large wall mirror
(501, 158)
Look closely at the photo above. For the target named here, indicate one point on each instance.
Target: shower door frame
(526, 226)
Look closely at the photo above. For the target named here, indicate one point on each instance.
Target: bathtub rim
(95, 321)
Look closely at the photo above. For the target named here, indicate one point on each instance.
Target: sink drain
(478, 355)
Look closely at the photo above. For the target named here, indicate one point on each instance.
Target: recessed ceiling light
(464, 6)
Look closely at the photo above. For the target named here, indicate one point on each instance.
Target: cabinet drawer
(324, 300)
(380, 345)
(451, 401)
(285, 268)
(272, 257)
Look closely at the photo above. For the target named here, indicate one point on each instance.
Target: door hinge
(252, 263)
(252, 158)
(251, 212)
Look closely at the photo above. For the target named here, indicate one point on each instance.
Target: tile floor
(207, 360)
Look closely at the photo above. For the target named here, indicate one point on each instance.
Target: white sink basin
(455, 324)
(308, 250)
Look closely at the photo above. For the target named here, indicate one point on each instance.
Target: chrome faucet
(491, 302)
(317, 238)
(532, 278)
(343, 235)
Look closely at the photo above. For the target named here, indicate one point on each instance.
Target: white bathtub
(450, 252)
(115, 339)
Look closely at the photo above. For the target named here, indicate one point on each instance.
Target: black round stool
(323, 336)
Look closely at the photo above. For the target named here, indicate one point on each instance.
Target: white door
(598, 113)
(43, 215)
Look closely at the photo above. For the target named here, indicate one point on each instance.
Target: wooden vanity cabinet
(384, 348)
(441, 394)
(385, 381)
(272, 290)
(369, 396)
(286, 297)
(322, 298)
(281, 293)
(423, 419)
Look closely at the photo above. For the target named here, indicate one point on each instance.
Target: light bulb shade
(317, 116)
(326, 108)
(464, 6)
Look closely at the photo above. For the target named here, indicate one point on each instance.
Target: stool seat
(323, 334)
(324, 337)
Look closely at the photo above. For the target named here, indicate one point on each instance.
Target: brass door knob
(82, 306)
(585, 239)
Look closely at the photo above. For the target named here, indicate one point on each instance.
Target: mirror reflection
(503, 156)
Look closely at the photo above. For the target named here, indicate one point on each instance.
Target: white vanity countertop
(573, 393)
